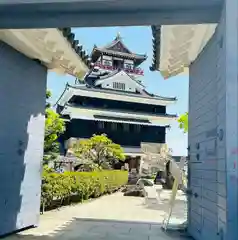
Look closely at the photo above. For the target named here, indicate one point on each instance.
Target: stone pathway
(110, 217)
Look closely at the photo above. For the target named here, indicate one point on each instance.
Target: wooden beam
(55, 18)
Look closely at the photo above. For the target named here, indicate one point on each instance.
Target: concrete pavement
(109, 217)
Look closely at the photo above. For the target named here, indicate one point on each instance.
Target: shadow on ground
(179, 209)
(89, 229)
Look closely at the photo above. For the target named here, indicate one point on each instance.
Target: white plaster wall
(122, 77)
(221, 121)
(129, 61)
(207, 151)
(213, 104)
(107, 57)
(22, 98)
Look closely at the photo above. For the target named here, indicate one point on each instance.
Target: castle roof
(84, 90)
(99, 79)
(117, 48)
(119, 116)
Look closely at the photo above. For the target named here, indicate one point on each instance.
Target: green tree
(183, 122)
(100, 150)
(54, 126)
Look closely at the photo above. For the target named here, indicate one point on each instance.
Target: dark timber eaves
(121, 54)
(156, 33)
(151, 96)
(67, 33)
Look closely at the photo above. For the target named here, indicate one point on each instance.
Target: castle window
(128, 66)
(118, 85)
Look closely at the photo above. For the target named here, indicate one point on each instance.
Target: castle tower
(112, 101)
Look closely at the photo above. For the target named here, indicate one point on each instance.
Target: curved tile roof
(70, 36)
(156, 33)
(71, 90)
(84, 87)
(110, 74)
(175, 47)
(117, 48)
(121, 54)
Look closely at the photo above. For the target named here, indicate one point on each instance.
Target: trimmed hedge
(63, 188)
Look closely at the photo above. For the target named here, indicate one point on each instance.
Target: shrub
(100, 150)
(149, 177)
(64, 188)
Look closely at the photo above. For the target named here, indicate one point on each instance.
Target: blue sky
(138, 40)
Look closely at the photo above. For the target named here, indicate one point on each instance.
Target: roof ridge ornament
(118, 37)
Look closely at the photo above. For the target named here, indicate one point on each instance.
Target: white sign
(176, 171)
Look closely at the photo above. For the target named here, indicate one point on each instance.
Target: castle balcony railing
(136, 71)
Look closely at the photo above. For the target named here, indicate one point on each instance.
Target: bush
(63, 188)
(149, 177)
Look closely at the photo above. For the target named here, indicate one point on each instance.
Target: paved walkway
(109, 217)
